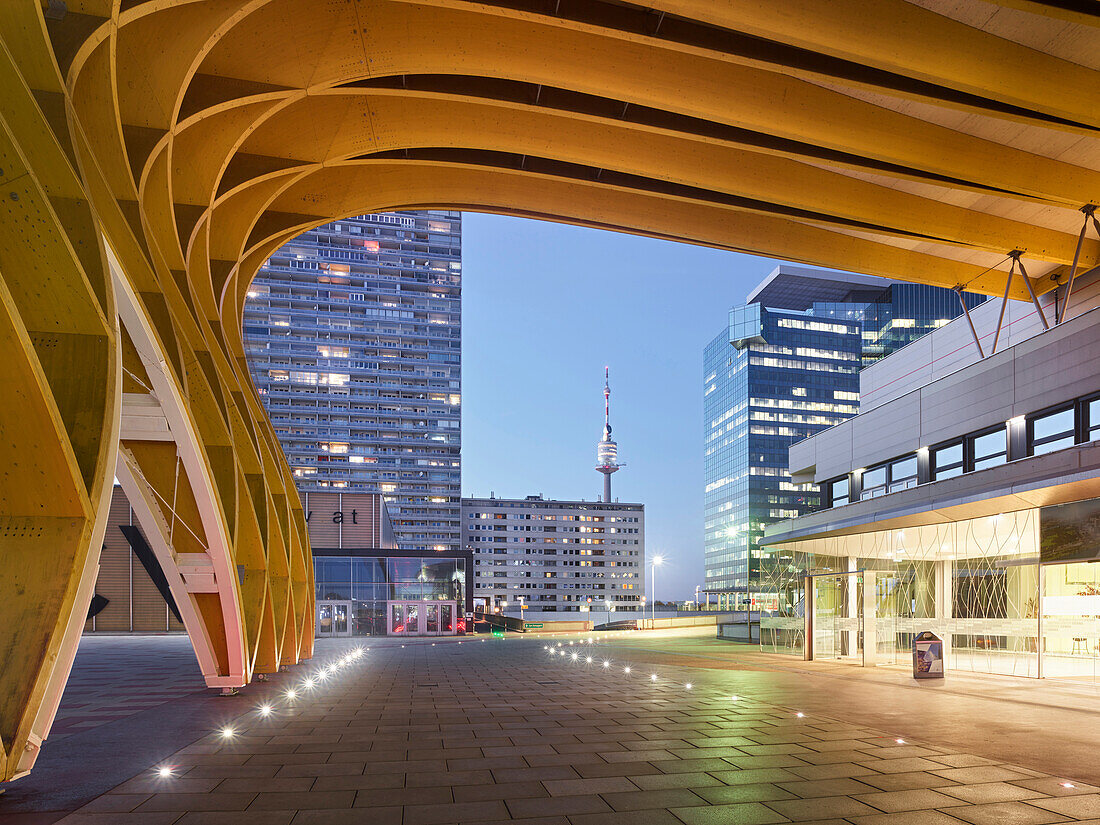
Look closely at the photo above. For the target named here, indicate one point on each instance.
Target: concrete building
(786, 367)
(353, 336)
(556, 557)
(963, 500)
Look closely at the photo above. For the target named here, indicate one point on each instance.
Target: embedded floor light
(688, 685)
(1068, 785)
(606, 663)
(900, 741)
(573, 656)
(800, 714)
(292, 694)
(265, 710)
(164, 771)
(588, 659)
(626, 670)
(310, 682)
(734, 698)
(227, 733)
(653, 677)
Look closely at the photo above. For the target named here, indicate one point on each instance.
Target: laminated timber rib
(154, 153)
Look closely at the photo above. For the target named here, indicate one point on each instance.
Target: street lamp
(657, 562)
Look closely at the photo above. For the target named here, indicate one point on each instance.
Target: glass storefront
(370, 586)
(977, 584)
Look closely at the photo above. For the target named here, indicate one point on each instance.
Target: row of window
(1055, 428)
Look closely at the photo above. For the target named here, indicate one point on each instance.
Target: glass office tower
(353, 335)
(788, 367)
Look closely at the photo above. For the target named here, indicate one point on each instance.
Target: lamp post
(657, 562)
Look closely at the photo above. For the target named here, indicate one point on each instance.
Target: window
(839, 492)
(874, 482)
(1092, 420)
(989, 449)
(1050, 431)
(903, 473)
(947, 461)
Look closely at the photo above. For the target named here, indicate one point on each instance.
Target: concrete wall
(1040, 371)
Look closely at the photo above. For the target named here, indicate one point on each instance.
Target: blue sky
(545, 307)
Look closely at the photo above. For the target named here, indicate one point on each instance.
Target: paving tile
(564, 805)
(980, 774)
(907, 818)
(597, 785)
(197, 802)
(825, 787)
(657, 816)
(1083, 806)
(747, 813)
(912, 800)
(726, 794)
(820, 807)
(398, 797)
(118, 802)
(453, 812)
(985, 792)
(1056, 786)
(755, 776)
(904, 781)
(1006, 813)
(652, 782)
(647, 800)
(111, 818)
(238, 818)
(377, 816)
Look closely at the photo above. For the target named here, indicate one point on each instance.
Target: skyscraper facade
(787, 367)
(353, 333)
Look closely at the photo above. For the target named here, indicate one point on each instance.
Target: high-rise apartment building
(786, 368)
(556, 556)
(353, 333)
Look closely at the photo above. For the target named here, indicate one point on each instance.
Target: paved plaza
(631, 730)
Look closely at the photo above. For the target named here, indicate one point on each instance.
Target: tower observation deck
(607, 451)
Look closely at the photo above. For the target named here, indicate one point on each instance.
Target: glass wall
(974, 583)
(369, 583)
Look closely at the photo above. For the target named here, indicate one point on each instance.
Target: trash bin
(927, 656)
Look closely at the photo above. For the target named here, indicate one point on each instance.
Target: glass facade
(897, 315)
(977, 583)
(369, 584)
(777, 376)
(353, 336)
(773, 378)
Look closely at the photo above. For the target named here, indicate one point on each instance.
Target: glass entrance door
(333, 619)
(422, 618)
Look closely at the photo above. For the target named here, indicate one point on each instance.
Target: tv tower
(607, 451)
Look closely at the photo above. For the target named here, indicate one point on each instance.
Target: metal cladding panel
(1048, 372)
(951, 348)
(886, 432)
(113, 581)
(978, 397)
(1043, 370)
(896, 374)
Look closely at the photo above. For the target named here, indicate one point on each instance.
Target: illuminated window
(1092, 411)
(839, 492)
(873, 482)
(989, 449)
(947, 461)
(1050, 431)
